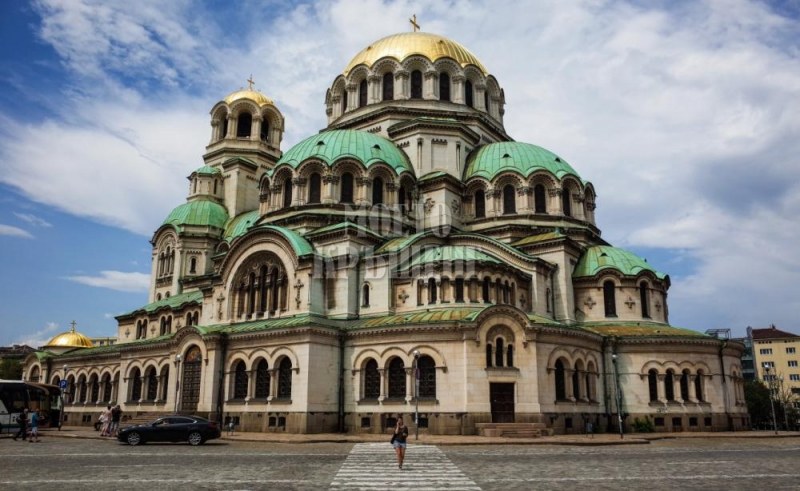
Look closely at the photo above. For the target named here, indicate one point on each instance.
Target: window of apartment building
(792, 363)
(794, 377)
(765, 351)
(790, 351)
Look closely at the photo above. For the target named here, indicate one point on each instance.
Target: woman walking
(399, 442)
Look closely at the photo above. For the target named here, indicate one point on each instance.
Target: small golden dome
(401, 46)
(69, 339)
(249, 94)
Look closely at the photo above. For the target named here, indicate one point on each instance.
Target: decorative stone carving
(590, 303)
(403, 296)
(428, 205)
(456, 207)
(630, 303)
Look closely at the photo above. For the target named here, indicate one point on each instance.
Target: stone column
(570, 394)
(352, 96)
(429, 85)
(401, 85)
(458, 89)
(384, 384)
(255, 129)
(373, 87)
(662, 396)
(231, 127)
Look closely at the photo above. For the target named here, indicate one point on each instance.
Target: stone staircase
(139, 419)
(514, 430)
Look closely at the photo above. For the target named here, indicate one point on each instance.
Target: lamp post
(177, 380)
(782, 400)
(617, 394)
(768, 379)
(63, 402)
(416, 394)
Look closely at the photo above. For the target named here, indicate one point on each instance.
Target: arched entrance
(192, 366)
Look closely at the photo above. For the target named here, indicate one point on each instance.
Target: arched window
(506, 291)
(224, 133)
(347, 188)
(576, 385)
(152, 384)
(372, 380)
(401, 199)
(262, 379)
(561, 387)
(509, 200)
(685, 385)
(365, 295)
(609, 299)
(431, 290)
(251, 294)
(444, 87)
(377, 191)
(244, 125)
(287, 192)
(488, 355)
(240, 381)
(263, 281)
(539, 201)
(460, 290)
(566, 202)
(485, 290)
(285, 379)
(193, 265)
(264, 136)
(486, 101)
(510, 355)
(427, 377)
(107, 395)
(344, 101)
(669, 385)
(652, 382)
(698, 386)
(397, 379)
(416, 84)
(136, 385)
(468, 94)
(498, 352)
(314, 188)
(388, 86)
(362, 93)
(644, 299)
(95, 397)
(480, 204)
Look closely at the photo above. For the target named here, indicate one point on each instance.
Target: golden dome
(249, 94)
(69, 339)
(401, 46)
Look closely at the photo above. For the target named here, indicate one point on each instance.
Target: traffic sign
(63, 384)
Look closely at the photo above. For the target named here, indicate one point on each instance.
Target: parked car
(192, 429)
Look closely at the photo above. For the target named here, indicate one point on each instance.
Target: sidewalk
(578, 440)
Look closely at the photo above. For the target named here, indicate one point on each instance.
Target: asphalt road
(67, 464)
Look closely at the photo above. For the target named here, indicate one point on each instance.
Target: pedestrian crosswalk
(374, 466)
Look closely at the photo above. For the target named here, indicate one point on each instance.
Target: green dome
(202, 212)
(330, 146)
(207, 171)
(598, 258)
(239, 224)
(490, 160)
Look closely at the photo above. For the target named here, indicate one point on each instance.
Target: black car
(192, 429)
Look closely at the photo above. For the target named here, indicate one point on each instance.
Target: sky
(685, 115)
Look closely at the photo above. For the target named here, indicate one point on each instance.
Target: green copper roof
(301, 246)
(451, 253)
(400, 242)
(598, 258)
(201, 212)
(640, 329)
(331, 146)
(239, 224)
(207, 170)
(360, 229)
(490, 160)
(535, 239)
(452, 314)
(175, 301)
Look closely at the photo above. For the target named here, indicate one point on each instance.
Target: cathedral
(411, 259)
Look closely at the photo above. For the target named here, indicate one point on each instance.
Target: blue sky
(684, 115)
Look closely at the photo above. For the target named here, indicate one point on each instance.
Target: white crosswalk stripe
(374, 466)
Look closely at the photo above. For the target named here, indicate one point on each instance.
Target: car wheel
(195, 438)
(134, 438)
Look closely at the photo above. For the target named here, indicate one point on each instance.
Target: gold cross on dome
(250, 81)
(73, 325)
(413, 21)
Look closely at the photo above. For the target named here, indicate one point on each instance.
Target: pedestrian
(22, 420)
(105, 419)
(34, 426)
(399, 442)
(116, 414)
(589, 429)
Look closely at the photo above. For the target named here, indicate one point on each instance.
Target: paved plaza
(80, 460)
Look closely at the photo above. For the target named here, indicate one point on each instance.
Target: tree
(757, 396)
(11, 368)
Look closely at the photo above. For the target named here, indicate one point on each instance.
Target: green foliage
(757, 396)
(11, 369)
(643, 425)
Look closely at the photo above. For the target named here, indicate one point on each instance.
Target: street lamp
(177, 380)
(63, 403)
(618, 395)
(771, 401)
(416, 394)
(782, 400)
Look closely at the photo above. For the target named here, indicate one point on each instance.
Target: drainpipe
(341, 425)
(725, 398)
(223, 344)
(606, 395)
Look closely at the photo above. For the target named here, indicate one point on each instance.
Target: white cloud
(40, 337)
(33, 219)
(115, 280)
(685, 119)
(12, 231)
